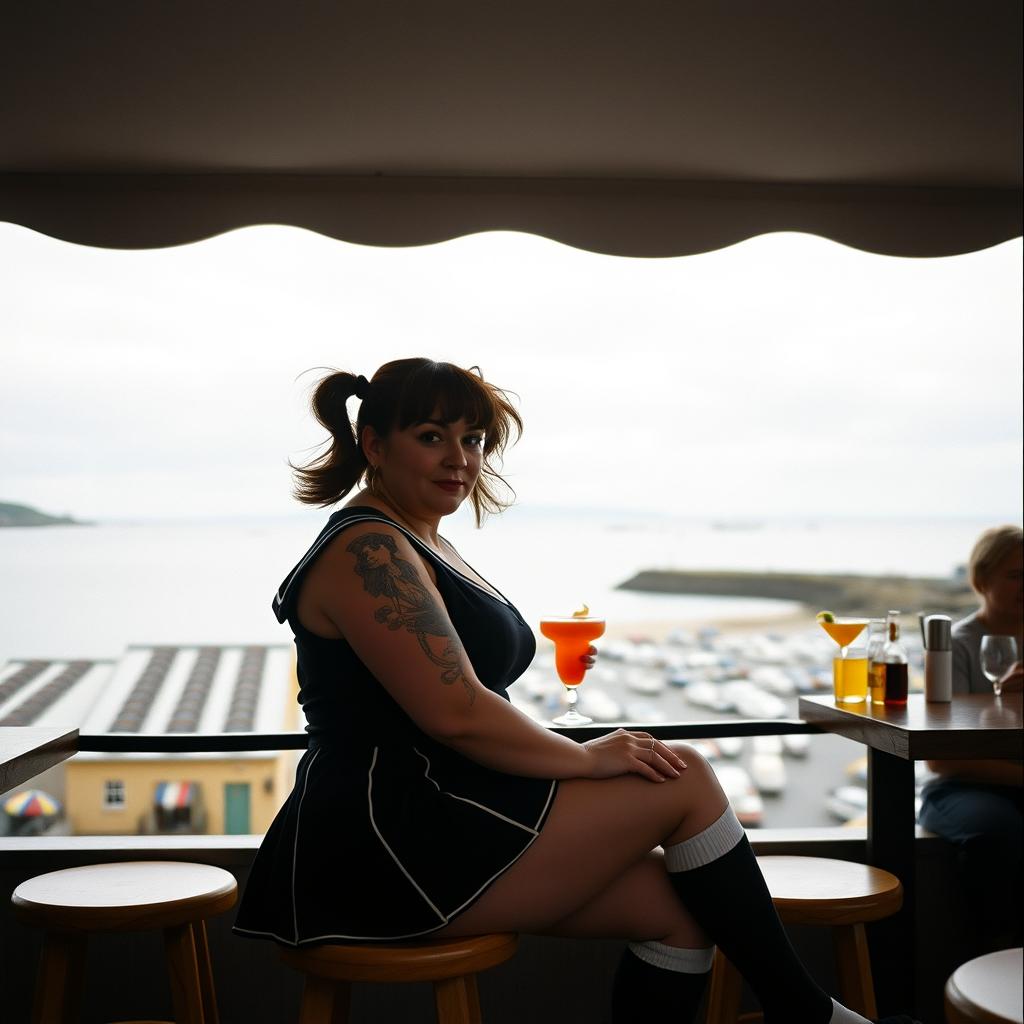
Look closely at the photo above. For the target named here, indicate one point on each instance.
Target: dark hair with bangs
(399, 395)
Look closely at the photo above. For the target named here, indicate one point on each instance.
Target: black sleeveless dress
(388, 834)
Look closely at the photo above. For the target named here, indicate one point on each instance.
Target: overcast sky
(786, 375)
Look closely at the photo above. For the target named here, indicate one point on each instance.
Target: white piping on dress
(473, 803)
(295, 849)
(316, 548)
(337, 936)
(547, 805)
(384, 842)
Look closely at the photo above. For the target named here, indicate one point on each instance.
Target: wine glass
(571, 636)
(998, 653)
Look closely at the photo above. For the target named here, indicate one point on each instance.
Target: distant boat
(731, 746)
(752, 702)
(768, 772)
(767, 744)
(643, 711)
(745, 800)
(647, 683)
(797, 744)
(599, 705)
(847, 802)
(708, 695)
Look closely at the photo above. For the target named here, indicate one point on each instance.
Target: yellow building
(164, 689)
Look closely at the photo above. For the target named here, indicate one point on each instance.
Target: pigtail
(327, 478)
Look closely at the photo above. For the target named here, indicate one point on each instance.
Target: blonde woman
(979, 805)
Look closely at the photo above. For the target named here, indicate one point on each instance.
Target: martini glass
(844, 630)
(571, 636)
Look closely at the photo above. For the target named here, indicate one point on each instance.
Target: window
(113, 795)
(786, 406)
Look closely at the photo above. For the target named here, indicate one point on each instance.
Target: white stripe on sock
(674, 958)
(714, 842)
(841, 1015)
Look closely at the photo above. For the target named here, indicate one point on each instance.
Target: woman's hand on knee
(624, 752)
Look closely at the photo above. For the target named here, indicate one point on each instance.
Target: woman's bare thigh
(596, 831)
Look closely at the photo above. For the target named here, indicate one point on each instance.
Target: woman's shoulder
(967, 628)
(354, 527)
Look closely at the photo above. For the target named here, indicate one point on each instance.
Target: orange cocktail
(572, 637)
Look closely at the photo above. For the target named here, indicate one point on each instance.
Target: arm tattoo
(386, 574)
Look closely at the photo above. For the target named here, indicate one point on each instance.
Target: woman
(426, 803)
(979, 805)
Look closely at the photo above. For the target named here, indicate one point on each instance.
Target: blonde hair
(989, 550)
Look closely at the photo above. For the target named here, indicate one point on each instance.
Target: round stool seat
(430, 960)
(987, 990)
(173, 897)
(821, 891)
(451, 965)
(835, 894)
(136, 895)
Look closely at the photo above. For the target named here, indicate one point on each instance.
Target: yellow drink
(844, 631)
(850, 680)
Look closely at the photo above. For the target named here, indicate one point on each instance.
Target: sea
(89, 591)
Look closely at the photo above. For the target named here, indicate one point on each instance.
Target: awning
(647, 129)
(173, 795)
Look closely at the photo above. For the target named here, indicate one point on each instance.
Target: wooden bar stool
(173, 896)
(451, 964)
(837, 894)
(987, 990)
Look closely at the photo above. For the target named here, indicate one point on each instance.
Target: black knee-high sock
(660, 984)
(717, 878)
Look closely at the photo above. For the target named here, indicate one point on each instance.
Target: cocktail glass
(844, 630)
(998, 654)
(571, 636)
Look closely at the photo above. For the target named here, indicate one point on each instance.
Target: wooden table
(26, 751)
(969, 728)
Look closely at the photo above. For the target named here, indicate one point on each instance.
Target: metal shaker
(938, 658)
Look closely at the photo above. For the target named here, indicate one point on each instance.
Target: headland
(843, 594)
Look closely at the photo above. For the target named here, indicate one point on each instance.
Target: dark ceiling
(642, 127)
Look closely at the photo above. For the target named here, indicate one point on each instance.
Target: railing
(216, 743)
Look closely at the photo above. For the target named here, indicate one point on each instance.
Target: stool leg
(58, 995)
(183, 971)
(724, 992)
(325, 1001)
(853, 965)
(457, 1001)
(207, 990)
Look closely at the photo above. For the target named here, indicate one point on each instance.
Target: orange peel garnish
(582, 613)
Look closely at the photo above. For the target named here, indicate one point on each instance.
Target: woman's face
(428, 468)
(1003, 588)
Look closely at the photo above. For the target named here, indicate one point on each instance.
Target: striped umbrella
(31, 803)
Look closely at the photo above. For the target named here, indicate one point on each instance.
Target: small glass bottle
(894, 658)
(877, 635)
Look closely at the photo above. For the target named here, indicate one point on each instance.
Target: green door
(236, 808)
